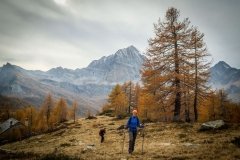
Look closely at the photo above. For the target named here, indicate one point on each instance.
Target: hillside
(162, 141)
(88, 86)
(223, 76)
(11, 103)
(8, 104)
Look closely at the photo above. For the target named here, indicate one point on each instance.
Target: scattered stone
(89, 147)
(213, 125)
(111, 124)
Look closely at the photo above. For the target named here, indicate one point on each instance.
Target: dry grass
(162, 141)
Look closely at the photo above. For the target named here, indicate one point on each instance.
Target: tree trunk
(196, 84)
(195, 107)
(176, 116)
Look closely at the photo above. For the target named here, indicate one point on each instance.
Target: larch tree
(198, 59)
(165, 59)
(118, 100)
(217, 106)
(47, 108)
(223, 101)
(74, 110)
(132, 92)
(137, 92)
(61, 111)
(152, 97)
(41, 125)
(176, 70)
(31, 116)
(147, 106)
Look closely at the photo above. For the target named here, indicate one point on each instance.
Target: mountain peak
(127, 56)
(59, 68)
(223, 64)
(60, 72)
(128, 51)
(122, 66)
(8, 65)
(132, 47)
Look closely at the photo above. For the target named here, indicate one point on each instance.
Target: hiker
(132, 124)
(101, 134)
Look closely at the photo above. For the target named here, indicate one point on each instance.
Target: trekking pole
(143, 135)
(123, 140)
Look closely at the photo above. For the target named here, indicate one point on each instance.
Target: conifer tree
(176, 69)
(73, 110)
(47, 108)
(61, 111)
(165, 58)
(198, 56)
(118, 100)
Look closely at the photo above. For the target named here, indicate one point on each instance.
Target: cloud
(72, 33)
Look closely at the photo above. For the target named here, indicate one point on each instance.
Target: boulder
(213, 125)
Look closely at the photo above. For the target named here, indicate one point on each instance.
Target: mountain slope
(122, 66)
(225, 77)
(89, 86)
(17, 82)
(223, 74)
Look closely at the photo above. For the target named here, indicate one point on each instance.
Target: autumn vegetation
(47, 117)
(174, 79)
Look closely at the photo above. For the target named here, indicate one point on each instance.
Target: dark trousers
(132, 138)
(102, 138)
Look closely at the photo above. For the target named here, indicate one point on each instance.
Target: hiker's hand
(141, 125)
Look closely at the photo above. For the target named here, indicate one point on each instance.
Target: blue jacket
(133, 123)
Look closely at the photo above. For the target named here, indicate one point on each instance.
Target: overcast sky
(42, 34)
